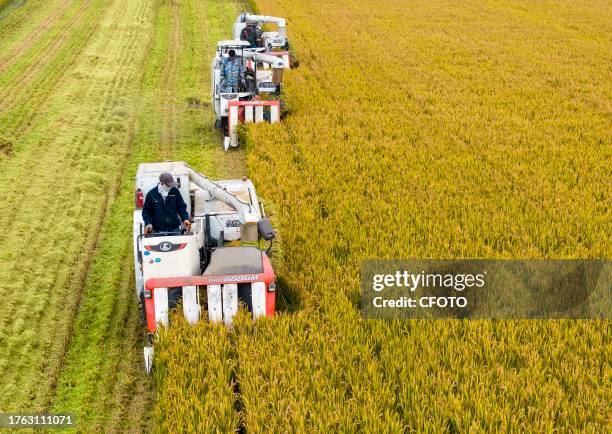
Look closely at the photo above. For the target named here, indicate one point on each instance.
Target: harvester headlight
(147, 293)
(272, 287)
(229, 95)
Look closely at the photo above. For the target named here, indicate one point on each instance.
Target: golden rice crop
(442, 130)
(196, 382)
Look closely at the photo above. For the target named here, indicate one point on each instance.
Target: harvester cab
(196, 269)
(275, 40)
(257, 97)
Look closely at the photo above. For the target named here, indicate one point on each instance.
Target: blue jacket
(164, 214)
(232, 71)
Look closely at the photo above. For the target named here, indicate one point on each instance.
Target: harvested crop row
(32, 76)
(65, 170)
(29, 81)
(108, 338)
(29, 63)
(23, 38)
(4, 3)
(38, 66)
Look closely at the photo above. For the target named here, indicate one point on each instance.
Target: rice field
(67, 106)
(441, 130)
(466, 129)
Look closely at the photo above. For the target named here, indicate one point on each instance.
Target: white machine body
(174, 270)
(232, 208)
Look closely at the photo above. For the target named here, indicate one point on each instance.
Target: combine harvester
(246, 105)
(197, 265)
(257, 98)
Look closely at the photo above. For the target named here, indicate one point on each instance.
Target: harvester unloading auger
(179, 268)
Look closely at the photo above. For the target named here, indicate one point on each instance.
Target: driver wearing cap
(164, 207)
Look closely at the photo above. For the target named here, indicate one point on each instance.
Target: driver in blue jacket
(164, 208)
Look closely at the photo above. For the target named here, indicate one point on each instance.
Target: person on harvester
(232, 73)
(249, 34)
(164, 208)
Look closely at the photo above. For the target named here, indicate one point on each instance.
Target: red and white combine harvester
(257, 97)
(196, 268)
(264, 57)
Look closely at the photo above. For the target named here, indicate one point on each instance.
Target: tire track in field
(170, 127)
(76, 157)
(9, 98)
(12, 22)
(9, 57)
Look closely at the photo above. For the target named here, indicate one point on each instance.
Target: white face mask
(164, 189)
